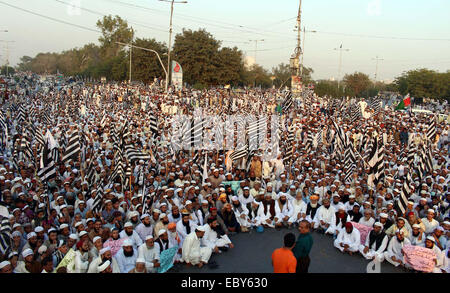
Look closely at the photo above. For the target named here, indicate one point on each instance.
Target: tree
(357, 83)
(113, 30)
(424, 83)
(257, 76)
(145, 64)
(25, 63)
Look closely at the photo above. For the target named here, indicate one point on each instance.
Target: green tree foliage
(257, 76)
(283, 75)
(424, 83)
(10, 70)
(145, 64)
(204, 62)
(357, 83)
(113, 30)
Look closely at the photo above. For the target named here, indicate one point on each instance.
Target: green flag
(400, 106)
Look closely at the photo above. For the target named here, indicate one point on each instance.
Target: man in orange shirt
(283, 260)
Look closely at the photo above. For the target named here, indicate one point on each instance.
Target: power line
(51, 18)
(102, 14)
(379, 37)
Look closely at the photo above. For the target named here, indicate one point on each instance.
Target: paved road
(252, 254)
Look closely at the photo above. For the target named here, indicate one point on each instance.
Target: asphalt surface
(252, 254)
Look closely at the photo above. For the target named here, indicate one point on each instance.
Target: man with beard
(140, 267)
(150, 253)
(387, 223)
(283, 211)
(341, 219)
(268, 205)
(241, 212)
(299, 209)
(311, 210)
(81, 258)
(400, 225)
(129, 233)
(105, 255)
(417, 236)
(97, 230)
(202, 211)
(229, 218)
(185, 227)
(354, 214)
(211, 238)
(126, 257)
(245, 198)
(162, 242)
(174, 240)
(430, 243)
(215, 179)
(394, 251)
(161, 224)
(348, 240)
(376, 244)
(145, 227)
(28, 265)
(193, 253)
(326, 218)
(255, 214)
(175, 215)
(32, 244)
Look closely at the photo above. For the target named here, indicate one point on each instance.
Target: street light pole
(7, 54)
(340, 61)
(376, 68)
(150, 50)
(131, 46)
(256, 45)
(170, 37)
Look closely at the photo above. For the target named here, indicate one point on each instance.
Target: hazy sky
(389, 29)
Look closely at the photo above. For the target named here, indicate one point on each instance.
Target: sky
(405, 34)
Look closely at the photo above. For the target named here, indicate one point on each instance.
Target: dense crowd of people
(180, 207)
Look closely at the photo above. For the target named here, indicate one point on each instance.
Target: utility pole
(7, 54)
(256, 45)
(340, 49)
(170, 37)
(376, 68)
(131, 50)
(295, 58)
(303, 51)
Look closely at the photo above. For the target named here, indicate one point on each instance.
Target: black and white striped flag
(431, 132)
(73, 147)
(47, 168)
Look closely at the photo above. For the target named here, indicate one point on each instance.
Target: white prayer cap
(144, 216)
(431, 238)
(104, 266)
(430, 211)
(82, 233)
(200, 228)
(440, 228)
(140, 260)
(78, 224)
(128, 224)
(416, 226)
(42, 249)
(341, 206)
(148, 237)
(156, 211)
(127, 242)
(30, 235)
(188, 202)
(73, 236)
(62, 226)
(378, 224)
(27, 252)
(96, 238)
(292, 187)
(383, 215)
(446, 223)
(161, 232)
(410, 202)
(246, 188)
(105, 249)
(4, 264)
(162, 216)
(163, 204)
(204, 202)
(38, 229)
(399, 231)
(351, 196)
(234, 198)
